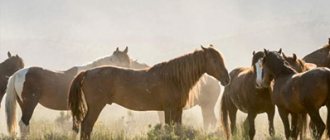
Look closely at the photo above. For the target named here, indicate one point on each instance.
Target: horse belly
(54, 100)
(138, 100)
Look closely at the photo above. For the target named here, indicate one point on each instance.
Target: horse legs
(173, 116)
(328, 120)
(169, 116)
(178, 116)
(294, 126)
(317, 121)
(87, 124)
(250, 118)
(232, 117)
(209, 118)
(27, 107)
(284, 117)
(270, 115)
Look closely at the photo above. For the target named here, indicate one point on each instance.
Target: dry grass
(130, 127)
(120, 129)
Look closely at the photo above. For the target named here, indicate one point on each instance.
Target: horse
(296, 93)
(298, 64)
(8, 68)
(320, 57)
(34, 85)
(163, 87)
(204, 94)
(248, 97)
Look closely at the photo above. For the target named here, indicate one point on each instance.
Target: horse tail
(11, 105)
(224, 113)
(77, 102)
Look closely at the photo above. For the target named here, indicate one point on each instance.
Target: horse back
(310, 89)
(121, 86)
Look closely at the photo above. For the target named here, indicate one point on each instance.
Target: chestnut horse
(320, 57)
(296, 93)
(163, 87)
(7, 68)
(204, 94)
(34, 85)
(249, 97)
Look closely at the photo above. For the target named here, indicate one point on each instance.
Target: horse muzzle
(225, 81)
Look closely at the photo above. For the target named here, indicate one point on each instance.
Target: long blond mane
(182, 72)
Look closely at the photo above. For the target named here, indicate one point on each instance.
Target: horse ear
(254, 52)
(203, 47)
(265, 51)
(284, 55)
(329, 41)
(294, 56)
(126, 50)
(117, 49)
(280, 51)
(9, 54)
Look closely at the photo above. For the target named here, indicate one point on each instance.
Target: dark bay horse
(163, 87)
(249, 97)
(7, 68)
(296, 93)
(34, 85)
(204, 94)
(320, 57)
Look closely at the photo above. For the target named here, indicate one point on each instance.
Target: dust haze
(59, 34)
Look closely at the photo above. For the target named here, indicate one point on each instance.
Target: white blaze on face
(258, 66)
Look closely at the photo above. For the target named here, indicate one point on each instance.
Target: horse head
(215, 65)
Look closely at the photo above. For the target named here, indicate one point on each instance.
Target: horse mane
(183, 71)
(285, 67)
(96, 62)
(137, 65)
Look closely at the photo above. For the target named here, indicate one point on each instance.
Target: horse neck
(182, 72)
(6, 69)
(318, 57)
(283, 71)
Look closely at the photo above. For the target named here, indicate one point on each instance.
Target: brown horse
(249, 97)
(163, 87)
(204, 94)
(298, 64)
(296, 93)
(7, 68)
(34, 85)
(320, 57)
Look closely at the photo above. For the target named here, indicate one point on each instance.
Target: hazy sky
(58, 34)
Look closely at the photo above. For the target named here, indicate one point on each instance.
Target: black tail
(224, 113)
(77, 101)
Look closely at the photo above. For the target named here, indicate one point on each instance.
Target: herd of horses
(297, 87)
